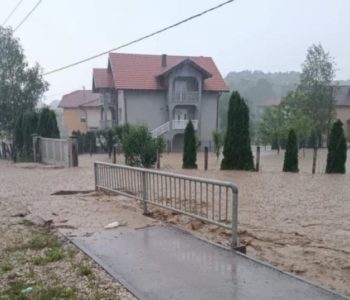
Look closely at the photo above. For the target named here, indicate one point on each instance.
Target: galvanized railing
(208, 200)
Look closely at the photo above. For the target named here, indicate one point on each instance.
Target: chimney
(164, 58)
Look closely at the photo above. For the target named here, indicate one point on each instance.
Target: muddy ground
(297, 222)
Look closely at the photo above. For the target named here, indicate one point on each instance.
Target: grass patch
(26, 223)
(54, 293)
(5, 267)
(43, 240)
(71, 251)
(84, 271)
(37, 293)
(15, 290)
(51, 255)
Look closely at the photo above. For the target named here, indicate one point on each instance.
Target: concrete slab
(163, 262)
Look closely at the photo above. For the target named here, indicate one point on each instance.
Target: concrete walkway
(162, 262)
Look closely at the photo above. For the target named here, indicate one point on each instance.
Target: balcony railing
(181, 124)
(186, 97)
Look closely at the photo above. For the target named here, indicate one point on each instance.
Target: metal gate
(208, 200)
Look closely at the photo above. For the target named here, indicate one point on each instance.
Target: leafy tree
(272, 127)
(318, 72)
(295, 117)
(336, 157)
(20, 86)
(218, 142)
(291, 154)
(237, 150)
(189, 158)
(47, 126)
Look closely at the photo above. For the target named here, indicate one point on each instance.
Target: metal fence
(208, 200)
(54, 151)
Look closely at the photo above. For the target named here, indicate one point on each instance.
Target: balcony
(181, 124)
(186, 97)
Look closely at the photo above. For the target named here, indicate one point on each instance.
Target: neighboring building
(342, 107)
(82, 111)
(272, 102)
(162, 92)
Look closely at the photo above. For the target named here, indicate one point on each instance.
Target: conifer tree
(190, 148)
(336, 157)
(291, 155)
(26, 126)
(47, 126)
(237, 150)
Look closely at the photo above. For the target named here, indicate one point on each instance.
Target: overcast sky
(268, 35)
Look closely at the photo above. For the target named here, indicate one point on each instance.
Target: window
(82, 118)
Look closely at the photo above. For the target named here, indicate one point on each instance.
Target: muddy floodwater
(297, 222)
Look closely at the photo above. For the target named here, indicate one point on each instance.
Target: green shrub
(47, 124)
(336, 156)
(189, 158)
(291, 155)
(139, 148)
(237, 150)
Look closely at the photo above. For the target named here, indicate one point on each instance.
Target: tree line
(42, 123)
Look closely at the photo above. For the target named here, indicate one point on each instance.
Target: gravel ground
(298, 222)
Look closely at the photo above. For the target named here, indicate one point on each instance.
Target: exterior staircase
(160, 130)
(176, 124)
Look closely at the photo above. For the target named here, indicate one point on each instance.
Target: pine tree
(291, 154)
(47, 126)
(25, 127)
(336, 157)
(237, 150)
(190, 148)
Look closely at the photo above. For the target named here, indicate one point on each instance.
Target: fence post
(158, 159)
(206, 158)
(234, 242)
(96, 176)
(257, 159)
(3, 150)
(73, 149)
(314, 161)
(36, 148)
(144, 192)
(114, 154)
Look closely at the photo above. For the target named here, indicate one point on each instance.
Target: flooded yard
(297, 222)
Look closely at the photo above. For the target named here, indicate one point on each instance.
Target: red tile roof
(140, 71)
(78, 98)
(102, 78)
(271, 102)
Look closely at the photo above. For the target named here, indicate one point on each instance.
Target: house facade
(342, 107)
(82, 110)
(161, 92)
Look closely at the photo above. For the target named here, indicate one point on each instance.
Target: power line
(12, 12)
(27, 16)
(141, 38)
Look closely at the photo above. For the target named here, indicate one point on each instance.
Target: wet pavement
(163, 262)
